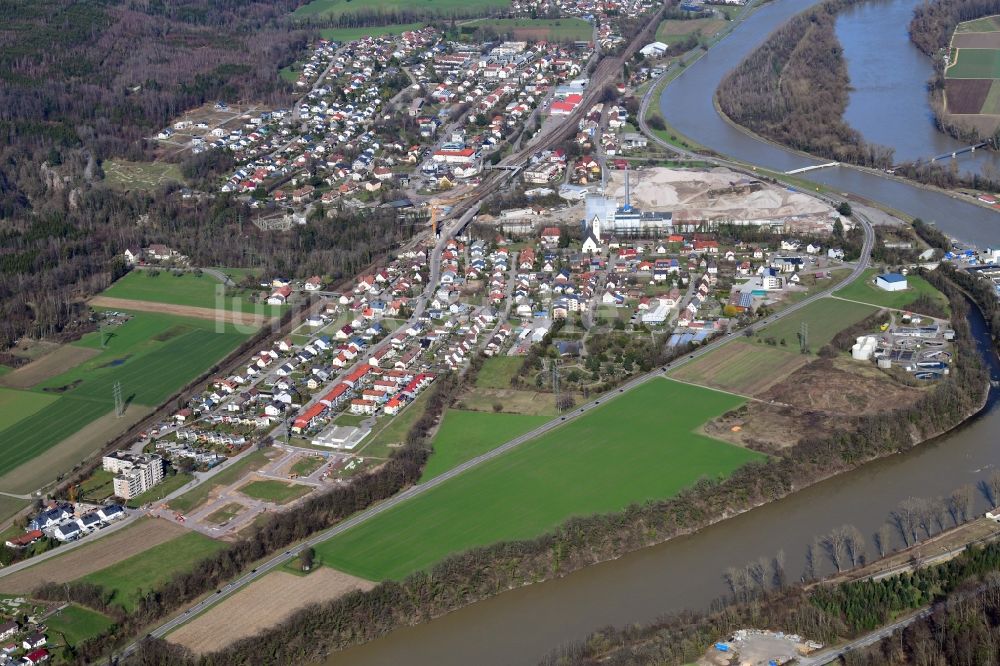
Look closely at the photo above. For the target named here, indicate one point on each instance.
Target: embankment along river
(687, 104)
(521, 626)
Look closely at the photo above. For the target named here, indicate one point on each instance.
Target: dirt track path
(226, 316)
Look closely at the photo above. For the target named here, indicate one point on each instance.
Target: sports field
(329, 8)
(560, 29)
(152, 567)
(351, 34)
(636, 447)
(185, 289)
(742, 367)
(125, 175)
(864, 289)
(465, 435)
(271, 490)
(151, 356)
(75, 624)
(824, 318)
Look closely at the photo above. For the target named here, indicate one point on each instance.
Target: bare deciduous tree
(961, 503)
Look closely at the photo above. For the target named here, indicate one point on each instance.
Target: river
(521, 626)
(687, 105)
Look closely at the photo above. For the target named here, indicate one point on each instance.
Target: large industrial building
(623, 221)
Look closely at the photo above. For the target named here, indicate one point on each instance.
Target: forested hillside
(83, 81)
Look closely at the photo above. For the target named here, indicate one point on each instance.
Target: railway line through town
(459, 217)
(422, 488)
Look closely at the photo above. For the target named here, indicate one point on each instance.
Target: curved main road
(420, 489)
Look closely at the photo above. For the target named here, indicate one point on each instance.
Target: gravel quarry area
(720, 194)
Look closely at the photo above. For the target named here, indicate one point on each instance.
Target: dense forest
(793, 89)
(483, 572)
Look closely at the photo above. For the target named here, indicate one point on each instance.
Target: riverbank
(689, 108)
(448, 586)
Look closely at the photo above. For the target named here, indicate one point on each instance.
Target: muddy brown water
(522, 626)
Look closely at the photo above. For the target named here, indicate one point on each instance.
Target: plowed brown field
(102, 553)
(263, 604)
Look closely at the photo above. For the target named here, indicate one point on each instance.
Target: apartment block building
(134, 474)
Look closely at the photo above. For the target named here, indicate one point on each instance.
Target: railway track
(608, 69)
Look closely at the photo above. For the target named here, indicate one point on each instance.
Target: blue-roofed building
(891, 282)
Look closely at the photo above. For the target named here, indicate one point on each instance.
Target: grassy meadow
(638, 447)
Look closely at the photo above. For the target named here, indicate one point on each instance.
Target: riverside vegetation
(965, 593)
(483, 572)
(794, 88)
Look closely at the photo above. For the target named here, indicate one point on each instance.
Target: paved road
(420, 489)
(833, 654)
(452, 227)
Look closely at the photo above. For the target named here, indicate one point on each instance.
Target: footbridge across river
(953, 154)
(811, 168)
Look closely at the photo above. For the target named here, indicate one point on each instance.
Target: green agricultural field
(674, 31)
(10, 506)
(152, 567)
(75, 624)
(975, 64)
(271, 490)
(465, 435)
(230, 475)
(637, 447)
(125, 175)
(333, 8)
(202, 291)
(161, 490)
(351, 34)
(992, 104)
(864, 289)
(986, 24)
(497, 371)
(30, 437)
(16, 405)
(742, 367)
(825, 318)
(561, 29)
(152, 355)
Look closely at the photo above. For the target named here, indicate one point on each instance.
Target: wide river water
(521, 626)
